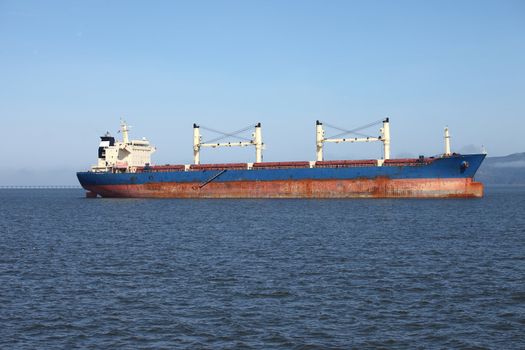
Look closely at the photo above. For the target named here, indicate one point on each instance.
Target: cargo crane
(383, 137)
(255, 141)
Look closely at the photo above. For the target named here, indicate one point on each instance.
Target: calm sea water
(287, 274)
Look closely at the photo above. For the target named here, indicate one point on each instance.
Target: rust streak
(356, 188)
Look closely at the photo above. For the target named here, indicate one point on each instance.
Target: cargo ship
(124, 169)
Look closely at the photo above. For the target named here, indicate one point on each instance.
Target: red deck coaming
(359, 188)
(218, 166)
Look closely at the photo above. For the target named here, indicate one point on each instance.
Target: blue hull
(441, 168)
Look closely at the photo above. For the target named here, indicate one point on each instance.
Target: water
(287, 274)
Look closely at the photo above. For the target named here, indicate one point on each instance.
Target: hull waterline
(362, 188)
(427, 178)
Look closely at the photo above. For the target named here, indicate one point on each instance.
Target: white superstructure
(125, 155)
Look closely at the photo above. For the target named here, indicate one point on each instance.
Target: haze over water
(71, 69)
(293, 274)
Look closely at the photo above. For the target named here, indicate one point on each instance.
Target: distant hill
(508, 170)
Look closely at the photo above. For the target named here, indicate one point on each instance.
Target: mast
(385, 137)
(447, 142)
(257, 140)
(196, 144)
(124, 129)
(319, 139)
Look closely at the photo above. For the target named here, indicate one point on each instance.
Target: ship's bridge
(124, 155)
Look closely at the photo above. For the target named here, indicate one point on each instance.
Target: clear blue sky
(70, 69)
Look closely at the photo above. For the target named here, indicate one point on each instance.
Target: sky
(69, 70)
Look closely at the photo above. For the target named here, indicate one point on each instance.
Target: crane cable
(353, 131)
(230, 134)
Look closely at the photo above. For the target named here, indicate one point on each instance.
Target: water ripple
(259, 274)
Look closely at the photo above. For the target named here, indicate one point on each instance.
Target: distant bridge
(38, 187)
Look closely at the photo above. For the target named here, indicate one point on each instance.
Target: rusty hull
(349, 188)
